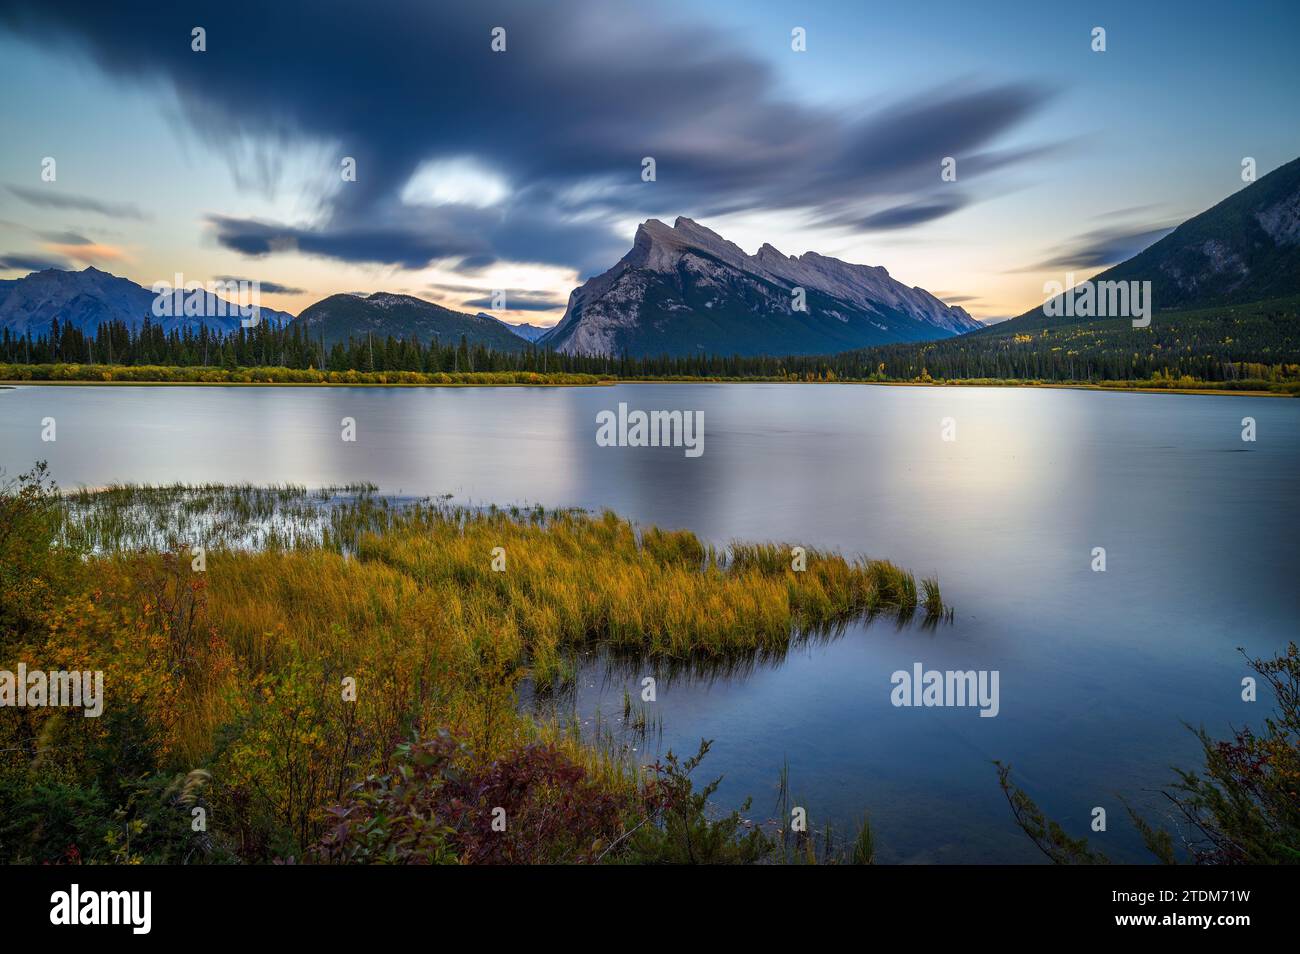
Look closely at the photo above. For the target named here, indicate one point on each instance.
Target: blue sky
(521, 170)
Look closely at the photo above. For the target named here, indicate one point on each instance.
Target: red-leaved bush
(533, 806)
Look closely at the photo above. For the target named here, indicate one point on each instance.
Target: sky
(521, 170)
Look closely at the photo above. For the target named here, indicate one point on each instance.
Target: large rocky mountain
(382, 314)
(685, 289)
(1245, 249)
(90, 297)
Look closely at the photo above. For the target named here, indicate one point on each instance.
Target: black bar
(333, 904)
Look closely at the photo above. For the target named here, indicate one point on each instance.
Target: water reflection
(1100, 671)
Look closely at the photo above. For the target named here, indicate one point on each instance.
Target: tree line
(1255, 342)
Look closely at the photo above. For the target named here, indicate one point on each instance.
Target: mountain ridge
(90, 297)
(338, 317)
(685, 288)
(1248, 242)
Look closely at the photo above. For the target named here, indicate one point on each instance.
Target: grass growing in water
(570, 579)
(237, 670)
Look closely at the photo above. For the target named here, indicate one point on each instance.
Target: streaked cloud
(18, 261)
(519, 301)
(533, 155)
(271, 288)
(66, 238)
(1101, 247)
(51, 196)
(912, 213)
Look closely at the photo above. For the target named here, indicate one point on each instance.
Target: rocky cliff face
(1245, 249)
(685, 289)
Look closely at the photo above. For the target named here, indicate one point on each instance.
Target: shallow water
(1098, 671)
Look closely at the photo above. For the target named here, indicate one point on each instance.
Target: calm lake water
(1098, 671)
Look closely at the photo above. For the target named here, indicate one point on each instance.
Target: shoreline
(610, 382)
(593, 380)
(307, 384)
(965, 384)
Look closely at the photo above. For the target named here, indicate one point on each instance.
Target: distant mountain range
(89, 298)
(523, 329)
(686, 290)
(336, 318)
(680, 290)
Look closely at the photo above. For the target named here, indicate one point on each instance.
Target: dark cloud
(408, 247)
(473, 264)
(913, 213)
(51, 197)
(474, 238)
(464, 289)
(519, 301)
(28, 263)
(271, 288)
(583, 92)
(1102, 247)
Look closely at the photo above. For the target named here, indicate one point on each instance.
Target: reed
(305, 589)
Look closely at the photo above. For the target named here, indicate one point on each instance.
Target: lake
(1098, 670)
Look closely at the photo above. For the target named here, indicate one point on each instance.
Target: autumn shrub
(34, 571)
(1242, 806)
(279, 684)
(679, 829)
(438, 805)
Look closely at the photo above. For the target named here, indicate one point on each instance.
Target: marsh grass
(813, 846)
(304, 588)
(346, 571)
(572, 578)
(126, 518)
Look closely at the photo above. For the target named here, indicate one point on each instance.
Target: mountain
(685, 289)
(523, 329)
(403, 316)
(87, 298)
(1245, 249)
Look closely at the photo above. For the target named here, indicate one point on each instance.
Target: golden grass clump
(434, 612)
